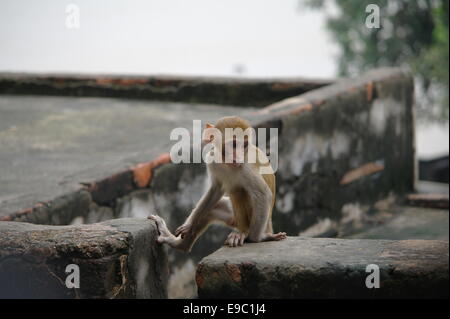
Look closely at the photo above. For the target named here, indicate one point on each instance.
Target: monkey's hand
(235, 239)
(183, 230)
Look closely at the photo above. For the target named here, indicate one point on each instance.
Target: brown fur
(239, 198)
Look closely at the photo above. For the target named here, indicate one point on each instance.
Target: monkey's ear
(208, 133)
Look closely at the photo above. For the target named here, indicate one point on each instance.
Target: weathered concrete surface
(116, 259)
(50, 145)
(342, 146)
(407, 222)
(326, 268)
(224, 91)
(428, 200)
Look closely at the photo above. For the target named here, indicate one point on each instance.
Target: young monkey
(240, 196)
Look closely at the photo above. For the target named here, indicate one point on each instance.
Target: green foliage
(432, 65)
(412, 33)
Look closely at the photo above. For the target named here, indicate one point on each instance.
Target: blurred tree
(412, 33)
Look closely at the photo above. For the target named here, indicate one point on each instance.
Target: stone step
(300, 267)
(114, 259)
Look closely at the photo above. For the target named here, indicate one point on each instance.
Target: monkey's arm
(205, 204)
(208, 200)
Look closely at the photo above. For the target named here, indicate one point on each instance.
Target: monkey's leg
(269, 237)
(274, 237)
(165, 236)
(261, 224)
(261, 199)
(221, 212)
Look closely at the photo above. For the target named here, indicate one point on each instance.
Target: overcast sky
(266, 38)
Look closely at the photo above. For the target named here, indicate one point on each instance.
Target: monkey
(239, 195)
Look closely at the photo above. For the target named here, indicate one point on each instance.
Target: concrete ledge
(326, 268)
(428, 200)
(116, 259)
(217, 90)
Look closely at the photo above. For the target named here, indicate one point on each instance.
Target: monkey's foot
(277, 236)
(183, 230)
(235, 239)
(164, 233)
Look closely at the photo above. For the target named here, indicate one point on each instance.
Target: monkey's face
(234, 151)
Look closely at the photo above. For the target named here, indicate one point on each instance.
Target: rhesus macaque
(240, 196)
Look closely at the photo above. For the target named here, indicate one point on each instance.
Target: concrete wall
(327, 268)
(224, 91)
(116, 259)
